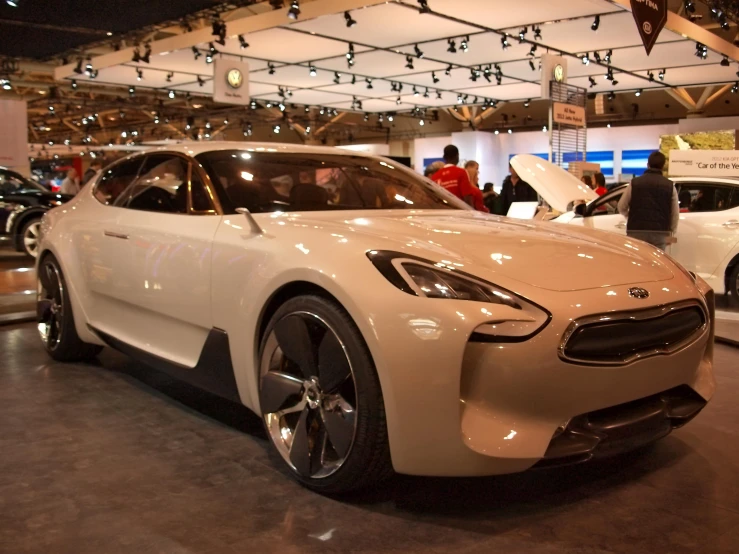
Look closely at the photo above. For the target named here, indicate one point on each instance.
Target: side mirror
(580, 209)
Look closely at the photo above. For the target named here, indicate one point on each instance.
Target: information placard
(567, 114)
(704, 163)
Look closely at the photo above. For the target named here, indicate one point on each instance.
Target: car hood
(557, 187)
(544, 255)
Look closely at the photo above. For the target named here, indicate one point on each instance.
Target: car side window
(161, 186)
(116, 180)
(200, 201)
(607, 204)
(704, 197)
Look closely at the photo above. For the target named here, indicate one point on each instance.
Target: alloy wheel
(308, 395)
(31, 238)
(50, 305)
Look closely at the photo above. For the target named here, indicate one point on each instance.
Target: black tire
(733, 288)
(30, 230)
(55, 318)
(368, 461)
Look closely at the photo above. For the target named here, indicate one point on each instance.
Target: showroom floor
(115, 458)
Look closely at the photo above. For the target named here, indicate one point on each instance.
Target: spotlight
(592, 82)
(196, 53)
(349, 21)
(74, 84)
(725, 61)
(701, 50)
(417, 50)
(448, 71)
(337, 77)
(735, 88)
(438, 95)
(464, 44)
(537, 33)
(611, 96)
(532, 52)
(422, 123)
(13, 3)
(409, 62)
(369, 84)
(527, 103)
(398, 101)
(131, 91)
(271, 68)
(146, 58)
(638, 93)
(452, 49)
(253, 104)
(597, 57)
(354, 80)
(350, 55)
(242, 42)
(487, 73)
(608, 55)
(78, 67)
(434, 78)
(532, 65)
(596, 23)
(88, 65)
(473, 75)
(689, 6)
(276, 129)
(504, 42)
(662, 74)
(201, 81)
(136, 58)
(423, 6)
(170, 94)
(390, 118)
(415, 91)
(522, 34)
(585, 59)
(312, 70)
(94, 73)
(139, 74)
(294, 11)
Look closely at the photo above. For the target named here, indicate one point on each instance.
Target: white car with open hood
(372, 320)
(707, 234)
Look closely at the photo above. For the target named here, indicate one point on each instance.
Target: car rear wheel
(31, 234)
(55, 320)
(320, 398)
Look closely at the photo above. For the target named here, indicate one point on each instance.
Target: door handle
(621, 225)
(731, 223)
(115, 235)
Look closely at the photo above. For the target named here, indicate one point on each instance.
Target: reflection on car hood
(545, 255)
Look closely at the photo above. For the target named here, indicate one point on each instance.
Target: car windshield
(11, 183)
(267, 181)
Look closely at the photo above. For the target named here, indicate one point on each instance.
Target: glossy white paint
(453, 408)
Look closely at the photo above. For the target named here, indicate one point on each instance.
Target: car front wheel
(30, 236)
(320, 398)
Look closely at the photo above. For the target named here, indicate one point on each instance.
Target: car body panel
(453, 406)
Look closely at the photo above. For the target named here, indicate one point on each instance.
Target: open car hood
(557, 187)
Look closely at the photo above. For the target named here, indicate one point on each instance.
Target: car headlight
(516, 319)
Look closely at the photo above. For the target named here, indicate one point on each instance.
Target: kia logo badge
(638, 292)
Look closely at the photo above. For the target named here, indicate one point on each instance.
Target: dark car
(22, 204)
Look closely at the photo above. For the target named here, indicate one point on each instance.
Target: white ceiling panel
(184, 61)
(501, 14)
(702, 74)
(374, 106)
(309, 97)
(484, 48)
(460, 78)
(447, 99)
(672, 54)
(126, 75)
(293, 76)
(625, 82)
(615, 31)
(379, 87)
(279, 44)
(518, 91)
(380, 64)
(385, 25)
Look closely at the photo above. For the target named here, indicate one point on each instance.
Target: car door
(603, 213)
(103, 251)
(709, 228)
(169, 219)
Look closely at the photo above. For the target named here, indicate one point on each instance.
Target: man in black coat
(650, 204)
(515, 190)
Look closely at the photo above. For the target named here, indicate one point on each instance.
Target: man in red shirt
(455, 179)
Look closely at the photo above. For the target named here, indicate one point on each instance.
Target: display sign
(704, 163)
(650, 17)
(553, 68)
(14, 137)
(567, 114)
(231, 81)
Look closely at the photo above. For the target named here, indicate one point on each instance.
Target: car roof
(194, 148)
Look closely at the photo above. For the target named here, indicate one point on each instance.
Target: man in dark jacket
(650, 205)
(515, 190)
(95, 166)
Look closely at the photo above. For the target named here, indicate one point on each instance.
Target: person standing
(95, 166)
(650, 204)
(71, 185)
(600, 184)
(473, 171)
(515, 189)
(454, 179)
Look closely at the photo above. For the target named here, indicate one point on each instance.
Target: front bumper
(456, 407)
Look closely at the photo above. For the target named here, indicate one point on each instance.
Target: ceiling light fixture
(136, 58)
(596, 23)
(448, 71)
(242, 42)
(146, 58)
(527, 103)
(369, 83)
(434, 78)
(585, 59)
(169, 77)
(271, 68)
(170, 94)
(537, 33)
(608, 55)
(438, 95)
(452, 48)
(350, 55)
(638, 93)
(522, 34)
(689, 6)
(74, 84)
(592, 82)
(196, 53)
(532, 65)
(139, 74)
(504, 42)
(735, 88)
(701, 50)
(337, 77)
(294, 11)
(661, 75)
(417, 50)
(464, 44)
(131, 91)
(409, 62)
(597, 57)
(312, 70)
(532, 52)
(423, 6)
(650, 75)
(725, 61)
(201, 81)
(349, 21)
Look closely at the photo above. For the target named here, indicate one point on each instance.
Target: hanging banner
(704, 163)
(14, 137)
(650, 17)
(231, 81)
(567, 114)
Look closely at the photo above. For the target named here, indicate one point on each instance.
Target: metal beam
(688, 103)
(242, 26)
(707, 92)
(718, 94)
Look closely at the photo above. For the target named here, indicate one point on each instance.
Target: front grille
(622, 338)
(623, 427)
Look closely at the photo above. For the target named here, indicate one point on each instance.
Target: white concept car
(707, 234)
(375, 322)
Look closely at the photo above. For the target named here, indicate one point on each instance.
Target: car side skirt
(213, 372)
